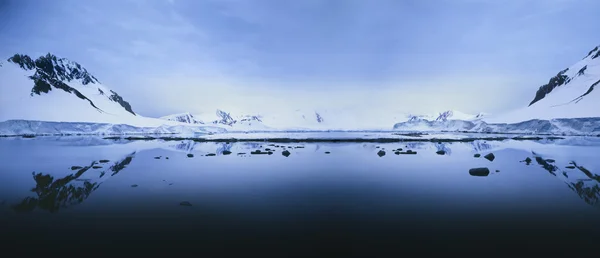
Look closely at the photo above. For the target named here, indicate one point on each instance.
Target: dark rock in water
(190, 155)
(550, 160)
(381, 153)
(166, 157)
(528, 160)
(226, 152)
(96, 167)
(479, 171)
(211, 154)
(299, 147)
(490, 157)
(277, 146)
(257, 152)
(477, 155)
(397, 153)
(399, 149)
(134, 185)
(103, 161)
(565, 174)
(270, 153)
(185, 203)
(327, 152)
(497, 171)
(377, 147)
(570, 167)
(76, 167)
(441, 152)
(267, 149)
(286, 153)
(408, 152)
(157, 157)
(241, 153)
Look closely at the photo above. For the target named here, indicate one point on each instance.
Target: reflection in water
(186, 146)
(54, 194)
(587, 188)
(480, 145)
(224, 147)
(443, 147)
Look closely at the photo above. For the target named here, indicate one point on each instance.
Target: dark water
(351, 201)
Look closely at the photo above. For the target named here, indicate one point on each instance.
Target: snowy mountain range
(55, 90)
(300, 119)
(569, 94)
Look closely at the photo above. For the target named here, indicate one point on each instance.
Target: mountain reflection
(587, 188)
(53, 194)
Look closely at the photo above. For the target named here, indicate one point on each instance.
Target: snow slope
(573, 93)
(88, 101)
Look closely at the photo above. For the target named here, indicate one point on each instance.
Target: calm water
(351, 200)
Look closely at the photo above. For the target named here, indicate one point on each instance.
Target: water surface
(350, 197)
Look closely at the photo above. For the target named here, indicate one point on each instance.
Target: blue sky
(169, 56)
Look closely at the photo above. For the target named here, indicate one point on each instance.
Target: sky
(419, 56)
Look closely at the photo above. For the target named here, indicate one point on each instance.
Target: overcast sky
(169, 56)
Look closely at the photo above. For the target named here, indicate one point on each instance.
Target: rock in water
(226, 152)
(441, 152)
(134, 185)
(190, 155)
(477, 155)
(479, 171)
(490, 157)
(76, 167)
(286, 153)
(381, 153)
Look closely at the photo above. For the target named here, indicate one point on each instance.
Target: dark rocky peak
(225, 118)
(116, 98)
(55, 68)
(594, 53)
(250, 118)
(319, 117)
(53, 72)
(582, 71)
(556, 81)
(444, 116)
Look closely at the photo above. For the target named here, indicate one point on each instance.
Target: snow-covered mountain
(183, 118)
(316, 119)
(446, 115)
(55, 89)
(572, 93)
